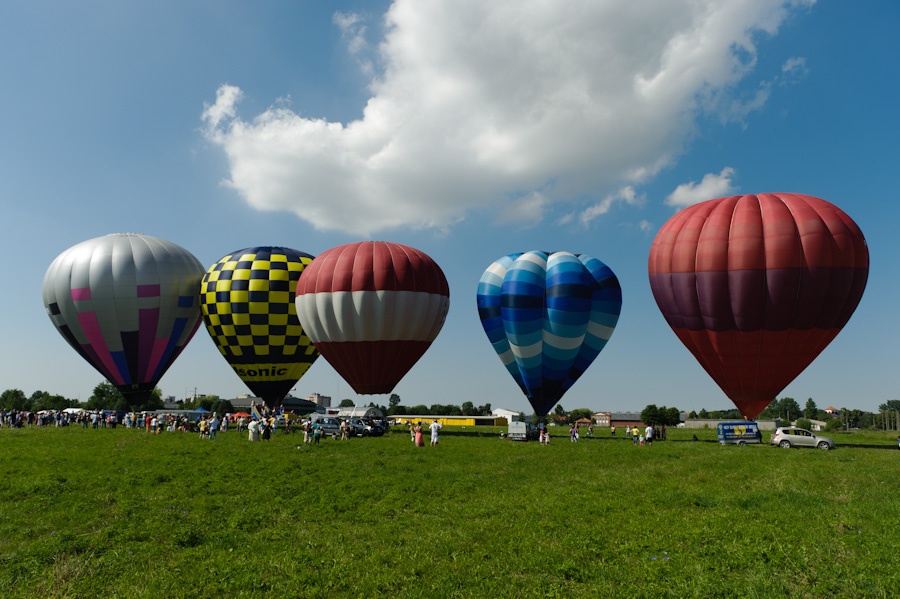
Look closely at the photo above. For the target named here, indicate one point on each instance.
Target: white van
(521, 431)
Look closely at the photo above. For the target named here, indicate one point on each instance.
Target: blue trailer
(739, 433)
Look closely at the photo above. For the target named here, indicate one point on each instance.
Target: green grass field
(119, 513)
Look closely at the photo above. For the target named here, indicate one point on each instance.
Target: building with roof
(510, 415)
(452, 420)
(300, 406)
(319, 399)
(355, 412)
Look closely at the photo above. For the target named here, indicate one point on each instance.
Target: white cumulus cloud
(712, 186)
(477, 102)
(626, 195)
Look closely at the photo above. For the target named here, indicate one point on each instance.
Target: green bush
(834, 425)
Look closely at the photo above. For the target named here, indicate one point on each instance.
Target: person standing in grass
(648, 434)
(213, 427)
(634, 435)
(612, 431)
(253, 431)
(434, 428)
(420, 441)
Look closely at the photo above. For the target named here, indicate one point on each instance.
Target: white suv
(791, 436)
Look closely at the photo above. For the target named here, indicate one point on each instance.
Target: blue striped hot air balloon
(548, 316)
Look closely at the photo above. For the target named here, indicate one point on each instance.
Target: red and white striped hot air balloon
(372, 309)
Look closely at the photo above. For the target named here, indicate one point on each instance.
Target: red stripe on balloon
(778, 358)
(373, 366)
(373, 266)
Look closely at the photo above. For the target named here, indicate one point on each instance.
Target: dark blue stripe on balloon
(121, 365)
(522, 301)
(167, 358)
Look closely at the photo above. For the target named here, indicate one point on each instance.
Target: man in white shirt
(434, 428)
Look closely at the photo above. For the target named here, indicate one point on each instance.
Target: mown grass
(119, 513)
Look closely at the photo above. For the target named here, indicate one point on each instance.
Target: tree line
(788, 409)
(105, 396)
(467, 408)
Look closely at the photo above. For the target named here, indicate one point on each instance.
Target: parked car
(328, 424)
(791, 436)
(378, 428)
(360, 428)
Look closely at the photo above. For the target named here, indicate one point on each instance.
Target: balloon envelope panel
(372, 309)
(756, 286)
(127, 303)
(247, 300)
(548, 316)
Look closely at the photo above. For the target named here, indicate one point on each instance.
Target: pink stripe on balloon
(148, 323)
(95, 361)
(148, 290)
(159, 350)
(91, 328)
(81, 293)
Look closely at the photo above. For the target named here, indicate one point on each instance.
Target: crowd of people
(645, 437)
(262, 425)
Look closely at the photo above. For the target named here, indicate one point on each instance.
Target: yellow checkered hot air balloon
(247, 301)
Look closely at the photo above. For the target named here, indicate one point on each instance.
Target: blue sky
(468, 130)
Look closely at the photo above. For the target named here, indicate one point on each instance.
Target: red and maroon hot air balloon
(756, 286)
(372, 309)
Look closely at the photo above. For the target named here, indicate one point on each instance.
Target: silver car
(791, 436)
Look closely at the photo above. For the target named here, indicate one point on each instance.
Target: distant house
(625, 419)
(602, 418)
(510, 415)
(319, 399)
(242, 403)
(832, 411)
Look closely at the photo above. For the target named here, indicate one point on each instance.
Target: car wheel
(785, 444)
(742, 443)
(823, 445)
(365, 433)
